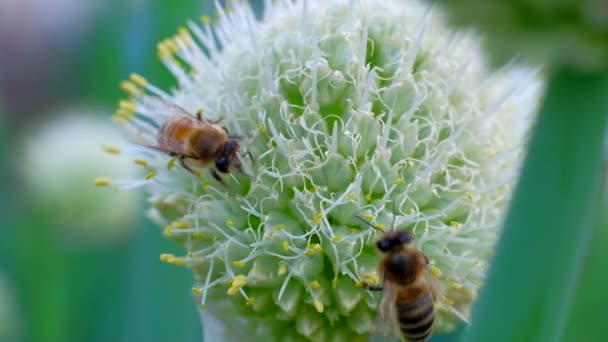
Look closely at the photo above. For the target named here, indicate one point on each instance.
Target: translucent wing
(440, 299)
(386, 323)
(163, 107)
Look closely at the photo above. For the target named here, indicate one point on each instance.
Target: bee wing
(150, 138)
(164, 107)
(386, 323)
(440, 299)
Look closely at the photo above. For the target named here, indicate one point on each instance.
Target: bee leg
(375, 288)
(250, 156)
(218, 177)
(372, 287)
(199, 116)
(184, 165)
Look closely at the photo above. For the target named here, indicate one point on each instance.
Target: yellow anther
(337, 238)
(150, 175)
(184, 35)
(317, 218)
(455, 224)
(168, 231)
(140, 162)
(477, 262)
(198, 174)
(371, 279)
(177, 261)
(368, 197)
(367, 217)
(138, 80)
(205, 19)
(163, 50)
(203, 306)
(111, 149)
(286, 245)
(435, 270)
(206, 184)
(198, 235)
(314, 248)
(351, 197)
(360, 283)
(378, 226)
(238, 263)
(280, 227)
(448, 301)
(190, 255)
(239, 280)
(102, 181)
(315, 285)
(127, 106)
(180, 224)
(121, 113)
(399, 181)
(282, 270)
(249, 301)
(165, 257)
(469, 195)
(172, 45)
(312, 189)
(261, 128)
(130, 88)
(171, 163)
(456, 286)
(197, 291)
(237, 284)
(229, 223)
(319, 306)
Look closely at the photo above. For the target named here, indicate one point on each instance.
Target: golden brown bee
(408, 294)
(192, 137)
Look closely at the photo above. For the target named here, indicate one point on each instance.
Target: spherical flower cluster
(573, 33)
(58, 161)
(349, 109)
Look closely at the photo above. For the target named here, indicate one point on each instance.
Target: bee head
(393, 239)
(229, 160)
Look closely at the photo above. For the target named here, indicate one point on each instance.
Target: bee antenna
(369, 223)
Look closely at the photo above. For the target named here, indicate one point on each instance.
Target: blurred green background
(63, 277)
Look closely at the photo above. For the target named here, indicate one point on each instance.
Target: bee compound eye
(384, 245)
(404, 238)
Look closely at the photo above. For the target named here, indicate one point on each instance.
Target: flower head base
(349, 109)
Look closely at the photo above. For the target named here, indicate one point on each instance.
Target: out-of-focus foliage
(71, 149)
(545, 32)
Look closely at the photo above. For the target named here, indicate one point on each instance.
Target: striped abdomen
(416, 318)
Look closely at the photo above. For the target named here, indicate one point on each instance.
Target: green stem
(549, 224)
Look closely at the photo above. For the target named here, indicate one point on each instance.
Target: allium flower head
(58, 161)
(348, 108)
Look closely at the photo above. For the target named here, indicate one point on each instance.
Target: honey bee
(408, 293)
(192, 137)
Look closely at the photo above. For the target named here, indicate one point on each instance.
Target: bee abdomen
(416, 319)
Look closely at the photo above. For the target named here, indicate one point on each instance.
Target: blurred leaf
(159, 302)
(586, 319)
(548, 227)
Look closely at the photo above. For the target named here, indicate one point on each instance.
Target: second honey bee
(189, 137)
(408, 293)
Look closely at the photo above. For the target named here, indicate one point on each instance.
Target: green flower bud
(59, 160)
(369, 108)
